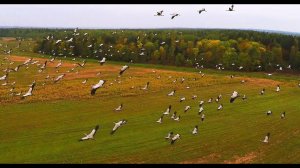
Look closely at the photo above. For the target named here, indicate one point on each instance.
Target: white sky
(271, 17)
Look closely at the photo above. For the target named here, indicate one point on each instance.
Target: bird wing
(84, 138)
(98, 85)
(169, 109)
(59, 64)
(123, 122)
(118, 108)
(101, 82)
(117, 125)
(103, 60)
(79, 64)
(175, 137)
(92, 133)
(3, 77)
(123, 69)
(58, 78)
(234, 94)
(93, 91)
(29, 92)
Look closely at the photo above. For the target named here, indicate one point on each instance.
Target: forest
(243, 50)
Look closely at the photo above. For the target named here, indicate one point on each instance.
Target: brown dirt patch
(107, 71)
(6, 39)
(91, 73)
(260, 81)
(42, 60)
(248, 158)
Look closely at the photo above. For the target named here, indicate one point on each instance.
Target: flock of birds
(174, 137)
(174, 116)
(173, 15)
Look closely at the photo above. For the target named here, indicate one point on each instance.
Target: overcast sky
(271, 17)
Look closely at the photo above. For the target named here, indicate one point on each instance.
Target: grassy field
(46, 127)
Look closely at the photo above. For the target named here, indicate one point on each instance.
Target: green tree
(179, 59)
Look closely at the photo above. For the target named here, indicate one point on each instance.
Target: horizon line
(149, 28)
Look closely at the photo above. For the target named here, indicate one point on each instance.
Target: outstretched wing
(95, 87)
(84, 138)
(94, 131)
(93, 91)
(124, 68)
(80, 65)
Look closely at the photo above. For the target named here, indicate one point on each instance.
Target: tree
(155, 57)
(255, 56)
(179, 59)
(277, 53)
(244, 60)
(163, 54)
(230, 57)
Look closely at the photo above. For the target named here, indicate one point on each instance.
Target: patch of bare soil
(248, 158)
(41, 60)
(261, 81)
(6, 39)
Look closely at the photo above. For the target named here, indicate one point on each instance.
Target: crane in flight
(159, 13)
(231, 8)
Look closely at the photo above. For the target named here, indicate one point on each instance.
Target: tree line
(207, 48)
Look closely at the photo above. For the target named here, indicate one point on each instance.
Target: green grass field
(46, 127)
